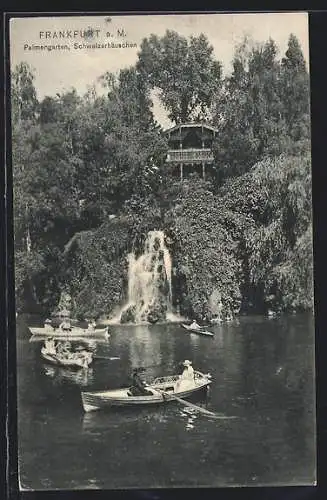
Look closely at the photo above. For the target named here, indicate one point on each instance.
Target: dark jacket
(137, 381)
(138, 386)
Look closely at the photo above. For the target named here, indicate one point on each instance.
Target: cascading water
(149, 282)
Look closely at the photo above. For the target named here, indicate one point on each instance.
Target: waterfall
(149, 282)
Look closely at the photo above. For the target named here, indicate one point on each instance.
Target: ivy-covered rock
(204, 254)
(128, 315)
(96, 268)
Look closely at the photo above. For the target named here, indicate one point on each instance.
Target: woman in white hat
(186, 380)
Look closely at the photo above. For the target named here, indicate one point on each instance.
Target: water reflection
(87, 341)
(82, 377)
(219, 336)
(91, 423)
(144, 347)
(189, 416)
(195, 340)
(91, 484)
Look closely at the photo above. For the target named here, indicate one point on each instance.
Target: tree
(23, 94)
(295, 91)
(184, 71)
(134, 147)
(275, 199)
(263, 109)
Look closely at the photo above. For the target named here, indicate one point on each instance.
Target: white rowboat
(75, 331)
(98, 400)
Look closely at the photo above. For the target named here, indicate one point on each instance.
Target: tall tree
(23, 94)
(263, 109)
(295, 91)
(132, 138)
(248, 111)
(25, 133)
(24, 105)
(184, 71)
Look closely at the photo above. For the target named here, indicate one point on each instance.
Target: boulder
(128, 315)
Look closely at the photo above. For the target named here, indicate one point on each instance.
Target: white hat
(187, 362)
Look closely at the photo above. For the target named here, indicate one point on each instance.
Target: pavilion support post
(203, 165)
(181, 149)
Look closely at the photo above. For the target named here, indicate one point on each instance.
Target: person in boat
(60, 348)
(66, 326)
(186, 380)
(82, 352)
(48, 324)
(50, 346)
(91, 325)
(195, 325)
(139, 386)
(64, 349)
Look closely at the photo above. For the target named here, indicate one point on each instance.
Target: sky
(57, 71)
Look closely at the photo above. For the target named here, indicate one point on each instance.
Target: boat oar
(195, 407)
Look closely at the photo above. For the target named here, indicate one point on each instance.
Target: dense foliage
(90, 182)
(275, 197)
(206, 260)
(263, 109)
(184, 71)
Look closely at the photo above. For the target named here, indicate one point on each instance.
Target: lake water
(263, 374)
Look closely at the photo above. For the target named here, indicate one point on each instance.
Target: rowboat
(75, 331)
(199, 331)
(74, 360)
(162, 388)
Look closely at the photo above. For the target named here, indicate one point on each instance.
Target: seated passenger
(48, 324)
(64, 349)
(65, 325)
(186, 380)
(82, 352)
(195, 325)
(50, 346)
(91, 325)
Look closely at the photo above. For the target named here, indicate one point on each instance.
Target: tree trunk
(28, 240)
(184, 110)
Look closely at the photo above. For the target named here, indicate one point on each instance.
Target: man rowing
(139, 386)
(64, 349)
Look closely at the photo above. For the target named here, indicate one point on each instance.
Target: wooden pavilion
(190, 148)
